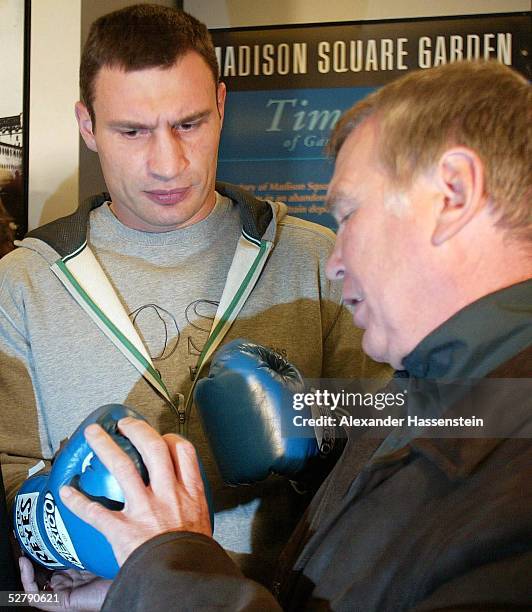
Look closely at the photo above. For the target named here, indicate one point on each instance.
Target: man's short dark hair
(138, 37)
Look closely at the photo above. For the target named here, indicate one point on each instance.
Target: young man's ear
(85, 125)
(460, 175)
(220, 100)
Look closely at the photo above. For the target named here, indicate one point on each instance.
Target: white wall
(11, 54)
(240, 13)
(53, 141)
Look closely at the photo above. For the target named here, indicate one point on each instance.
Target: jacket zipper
(179, 403)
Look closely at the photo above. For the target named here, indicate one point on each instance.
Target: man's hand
(75, 590)
(174, 500)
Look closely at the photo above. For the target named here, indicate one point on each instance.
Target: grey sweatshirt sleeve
(185, 571)
(20, 446)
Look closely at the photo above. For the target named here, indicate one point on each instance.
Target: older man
(431, 191)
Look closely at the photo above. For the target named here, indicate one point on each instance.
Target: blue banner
(273, 144)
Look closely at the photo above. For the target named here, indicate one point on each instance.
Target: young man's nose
(168, 157)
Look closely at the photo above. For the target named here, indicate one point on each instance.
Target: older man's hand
(174, 500)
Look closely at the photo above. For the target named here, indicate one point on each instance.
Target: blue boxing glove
(46, 530)
(241, 405)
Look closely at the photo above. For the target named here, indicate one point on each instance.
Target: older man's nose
(335, 266)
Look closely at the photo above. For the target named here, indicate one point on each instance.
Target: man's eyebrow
(338, 200)
(130, 125)
(194, 117)
(139, 125)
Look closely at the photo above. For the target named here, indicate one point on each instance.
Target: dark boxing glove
(241, 405)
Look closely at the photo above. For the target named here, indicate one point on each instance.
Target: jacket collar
(476, 339)
(68, 234)
(459, 457)
(255, 215)
(456, 457)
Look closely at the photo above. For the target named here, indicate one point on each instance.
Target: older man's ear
(461, 182)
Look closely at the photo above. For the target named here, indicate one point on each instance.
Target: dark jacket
(435, 524)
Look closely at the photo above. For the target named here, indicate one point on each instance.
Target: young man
(432, 174)
(126, 299)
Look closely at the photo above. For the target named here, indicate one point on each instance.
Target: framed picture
(14, 104)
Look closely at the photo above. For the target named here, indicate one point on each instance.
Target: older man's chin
(383, 353)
